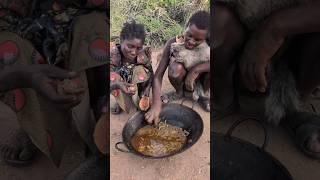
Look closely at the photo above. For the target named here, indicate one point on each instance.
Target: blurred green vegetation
(163, 19)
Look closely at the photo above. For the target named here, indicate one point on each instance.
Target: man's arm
(296, 20)
(292, 21)
(201, 68)
(194, 73)
(153, 114)
(269, 38)
(157, 82)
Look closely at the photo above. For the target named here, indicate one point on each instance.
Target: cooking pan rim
(264, 152)
(184, 148)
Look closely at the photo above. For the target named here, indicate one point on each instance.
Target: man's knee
(227, 28)
(176, 71)
(229, 36)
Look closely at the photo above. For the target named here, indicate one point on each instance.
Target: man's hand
(257, 56)
(43, 79)
(152, 116)
(253, 66)
(189, 81)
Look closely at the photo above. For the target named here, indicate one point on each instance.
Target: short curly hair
(132, 30)
(201, 19)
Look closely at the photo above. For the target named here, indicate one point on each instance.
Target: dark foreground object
(94, 168)
(236, 159)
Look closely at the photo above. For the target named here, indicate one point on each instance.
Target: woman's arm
(12, 78)
(42, 78)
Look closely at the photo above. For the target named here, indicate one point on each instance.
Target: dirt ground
(193, 164)
(42, 168)
(280, 145)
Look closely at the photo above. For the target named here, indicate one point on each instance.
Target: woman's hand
(126, 88)
(43, 79)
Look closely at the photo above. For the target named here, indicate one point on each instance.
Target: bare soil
(193, 164)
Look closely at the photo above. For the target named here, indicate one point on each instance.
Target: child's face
(194, 36)
(131, 48)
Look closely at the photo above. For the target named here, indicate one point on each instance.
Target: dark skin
(130, 50)
(41, 78)
(178, 75)
(230, 36)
